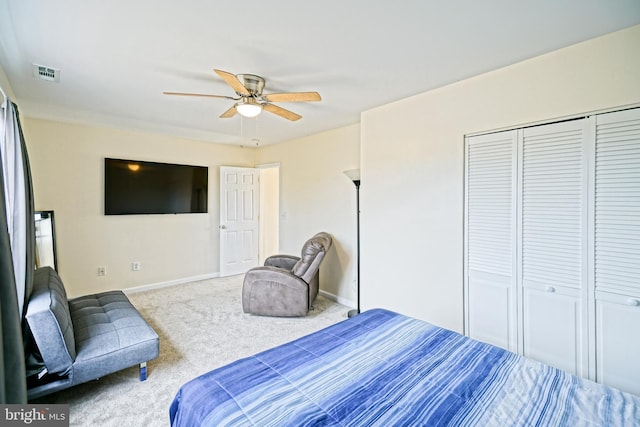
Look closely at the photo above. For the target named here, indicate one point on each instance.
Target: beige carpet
(201, 327)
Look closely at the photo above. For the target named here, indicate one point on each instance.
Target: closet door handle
(550, 289)
(633, 302)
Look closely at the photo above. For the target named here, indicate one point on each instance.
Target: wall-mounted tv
(138, 187)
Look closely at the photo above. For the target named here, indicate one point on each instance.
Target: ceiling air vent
(46, 73)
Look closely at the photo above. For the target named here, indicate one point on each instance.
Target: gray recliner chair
(287, 285)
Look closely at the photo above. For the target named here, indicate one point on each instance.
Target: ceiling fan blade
(289, 115)
(204, 95)
(229, 113)
(293, 97)
(232, 81)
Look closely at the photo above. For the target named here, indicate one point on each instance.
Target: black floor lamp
(354, 175)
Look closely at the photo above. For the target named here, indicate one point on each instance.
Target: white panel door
(553, 245)
(239, 222)
(576, 280)
(490, 239)
(617, 249)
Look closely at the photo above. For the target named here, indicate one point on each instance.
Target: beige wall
(68, 174)
(67, 167)
(412, 164)
(315, 195)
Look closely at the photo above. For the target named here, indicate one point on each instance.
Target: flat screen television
(137, 187)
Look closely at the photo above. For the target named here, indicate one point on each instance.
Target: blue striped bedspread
(384, 369)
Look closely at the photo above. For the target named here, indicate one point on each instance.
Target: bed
(385, 369)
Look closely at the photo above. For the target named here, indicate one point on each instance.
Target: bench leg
(143, 371)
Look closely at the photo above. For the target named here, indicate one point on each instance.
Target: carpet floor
(201, 327)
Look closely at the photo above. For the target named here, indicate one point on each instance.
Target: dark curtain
(30, 213)
(13, 388)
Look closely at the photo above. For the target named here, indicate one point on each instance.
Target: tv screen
(138, 187)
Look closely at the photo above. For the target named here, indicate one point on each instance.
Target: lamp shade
(248, 109)
(353, 174)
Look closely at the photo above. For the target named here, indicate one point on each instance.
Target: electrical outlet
(135, 266)
(102, 271)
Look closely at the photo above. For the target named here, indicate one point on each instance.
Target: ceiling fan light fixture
(248, 109)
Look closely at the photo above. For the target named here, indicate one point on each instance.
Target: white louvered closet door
(617, 249)
(552, 245)
(489, 239)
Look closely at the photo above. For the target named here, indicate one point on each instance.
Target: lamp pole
(354, 175)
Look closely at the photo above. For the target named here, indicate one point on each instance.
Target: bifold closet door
(491, 306)
(552, 244)
(617, 249)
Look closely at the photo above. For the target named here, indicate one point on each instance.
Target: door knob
(223, 227)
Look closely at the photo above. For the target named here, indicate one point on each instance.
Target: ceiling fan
(251, 100)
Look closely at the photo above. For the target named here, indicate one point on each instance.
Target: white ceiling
(117, 56)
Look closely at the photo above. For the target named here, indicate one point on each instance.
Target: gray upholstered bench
(79, 340)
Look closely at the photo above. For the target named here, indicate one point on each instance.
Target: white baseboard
(339, 300)
(344, 301)
(170, 283)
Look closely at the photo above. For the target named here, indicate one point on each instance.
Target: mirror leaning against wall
(45, 240)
